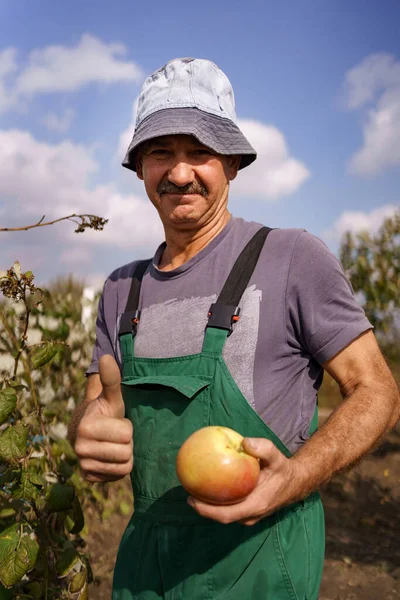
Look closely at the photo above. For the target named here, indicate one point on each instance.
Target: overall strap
(225, 311)
(131, 316)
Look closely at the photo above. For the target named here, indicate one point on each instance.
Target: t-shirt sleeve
(103, 343)
(323, 315)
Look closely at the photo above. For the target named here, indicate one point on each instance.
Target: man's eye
(201, 151)
(159, 152)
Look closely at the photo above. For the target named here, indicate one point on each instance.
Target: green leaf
(84, 595)
(77, 516)
(26, 490)
(5, 594)
(65, 469)
(40, 504)
(36, 479)
(31, 420)
(78, 582)
(60, 333)
(18, 553)
(10, 475)
(44, 354)
(61, 447)
(85, 560)
(67, 561)
(17, 385)
(8, 402)
(60, 497)
(69, 522)
(5, 513)
(36, 589)
(13, 443)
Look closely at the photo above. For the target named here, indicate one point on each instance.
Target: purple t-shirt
(297, 312)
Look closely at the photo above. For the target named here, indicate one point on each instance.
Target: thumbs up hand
(104, 440)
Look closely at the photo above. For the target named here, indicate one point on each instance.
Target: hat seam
(197, 105)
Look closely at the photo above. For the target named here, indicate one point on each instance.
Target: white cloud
(7, 62)
(96, 280)
(373, 75)
(30, 255)
(74, 257)
(381, 148)
(55, 179)
(42, 177)
(59, 123)
(357, 221)
(275, 173)
(374, 85)
(63, 69)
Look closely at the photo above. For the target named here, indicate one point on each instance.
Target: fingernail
(190, 501)
(251, 444)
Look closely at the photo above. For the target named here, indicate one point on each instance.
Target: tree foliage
(372, 263)
(41, 492)
(44, 348)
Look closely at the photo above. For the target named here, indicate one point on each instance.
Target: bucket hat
(190, 96)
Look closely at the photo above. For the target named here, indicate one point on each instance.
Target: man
(229, 324)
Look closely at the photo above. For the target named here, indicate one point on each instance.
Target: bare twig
(86, 222)
(24, 337)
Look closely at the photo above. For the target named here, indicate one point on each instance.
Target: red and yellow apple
(213, 466)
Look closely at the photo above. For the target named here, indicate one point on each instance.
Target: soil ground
(362, 511)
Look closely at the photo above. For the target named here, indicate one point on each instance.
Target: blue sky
(317, 89)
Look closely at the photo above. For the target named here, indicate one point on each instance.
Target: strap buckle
(129, 322)
(223, 316)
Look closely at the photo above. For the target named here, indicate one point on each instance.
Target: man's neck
(181, 246)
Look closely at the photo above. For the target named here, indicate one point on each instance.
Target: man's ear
(233, 162)
(139, 165)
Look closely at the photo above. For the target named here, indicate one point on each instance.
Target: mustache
(195, 187)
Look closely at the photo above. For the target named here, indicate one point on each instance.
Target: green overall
(168, 551)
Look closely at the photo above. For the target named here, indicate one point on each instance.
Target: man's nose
(181, 173)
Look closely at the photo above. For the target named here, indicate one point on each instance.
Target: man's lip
(179, 195)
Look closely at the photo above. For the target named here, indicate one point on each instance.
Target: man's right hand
(104, 439)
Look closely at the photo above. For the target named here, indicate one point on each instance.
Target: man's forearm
(366, 415)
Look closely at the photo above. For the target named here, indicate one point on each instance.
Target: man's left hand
(278, 485)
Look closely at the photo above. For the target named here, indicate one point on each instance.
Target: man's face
(187, 182)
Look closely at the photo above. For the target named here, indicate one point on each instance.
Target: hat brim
(220, 134)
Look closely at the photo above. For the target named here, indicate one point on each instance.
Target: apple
(213, 466)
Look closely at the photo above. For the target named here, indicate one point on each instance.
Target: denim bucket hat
(190, 96)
